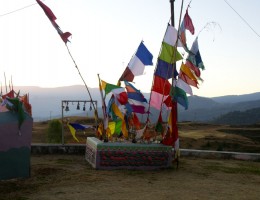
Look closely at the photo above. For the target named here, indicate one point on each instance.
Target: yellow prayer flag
(170, 121)
(124, 129)
(73, 132)
(117, 111)
(185, 69)
(112, 126)
(103, 84)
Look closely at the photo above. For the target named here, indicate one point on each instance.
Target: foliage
(54, 131)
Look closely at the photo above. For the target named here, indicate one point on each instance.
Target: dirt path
(69, 177)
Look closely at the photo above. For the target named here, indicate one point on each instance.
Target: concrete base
(116, 155)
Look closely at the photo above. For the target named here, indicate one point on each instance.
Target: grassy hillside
(251, 116)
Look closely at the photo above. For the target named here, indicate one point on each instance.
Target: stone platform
(15, 146)
(123, 155)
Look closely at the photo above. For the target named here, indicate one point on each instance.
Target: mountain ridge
(46, 103)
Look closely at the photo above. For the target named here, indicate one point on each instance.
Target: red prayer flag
(188, 23)
(161, 85)
(52, 18)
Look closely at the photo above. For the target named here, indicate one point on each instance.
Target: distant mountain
(237, 98)
(206, 109)
(251, 116)
(46, 103)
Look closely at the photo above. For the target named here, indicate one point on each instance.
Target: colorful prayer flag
(107, 87)
(121, 95)
(134, 93)
(136, 99)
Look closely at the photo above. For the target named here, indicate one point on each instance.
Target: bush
(54, 131)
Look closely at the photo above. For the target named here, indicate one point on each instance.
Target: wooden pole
(5, 84)
(105, 117)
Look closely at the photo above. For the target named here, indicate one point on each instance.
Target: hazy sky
(106, 34)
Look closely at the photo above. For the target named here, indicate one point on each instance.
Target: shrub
(54, 131)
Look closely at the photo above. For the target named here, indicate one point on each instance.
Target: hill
(46, 103)
(251, 116)
(237, 98)
(205, 109)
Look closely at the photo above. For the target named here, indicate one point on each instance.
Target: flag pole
(105, 120)
(91, 100)
(174, 111)
(5, 84)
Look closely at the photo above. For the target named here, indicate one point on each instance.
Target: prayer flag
(121, 95)
(134, 93)
(169, 53)
(52, 18)
(184, 86)
(117, 111)
(159, 125)
(157, 99)
(185, 69)
(73, 132)
(194, 55)
(136, 99)
(137, 63)
(186, 25)
(189, 81)
(180, 96)
(161, 85)
(108, 87)
(170, 36)
(136, 121)
(165, 69)
(77, 126)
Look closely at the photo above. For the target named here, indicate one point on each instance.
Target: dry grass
(55, 177)
(192, 136)
(66, 177)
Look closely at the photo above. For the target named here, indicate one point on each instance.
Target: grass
(238, 169)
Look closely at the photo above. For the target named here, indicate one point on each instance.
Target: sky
(106, 34)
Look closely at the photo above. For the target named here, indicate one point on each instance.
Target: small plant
(220, 147)
(54, 131)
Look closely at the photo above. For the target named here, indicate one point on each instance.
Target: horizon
(56, 87)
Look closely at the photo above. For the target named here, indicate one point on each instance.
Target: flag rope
(91, 100)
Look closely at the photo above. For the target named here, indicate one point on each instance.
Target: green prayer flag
(168, 53)
(17, 106)
(118, 127)
(180, 96)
